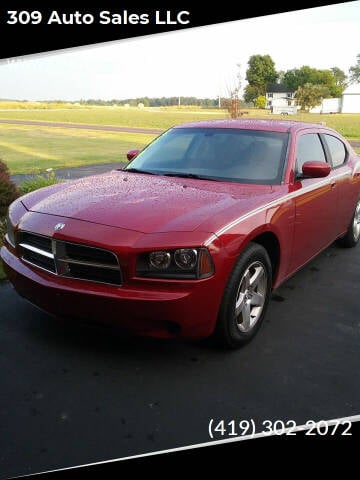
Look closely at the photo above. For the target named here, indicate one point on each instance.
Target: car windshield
(223, 154)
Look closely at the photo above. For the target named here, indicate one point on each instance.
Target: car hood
(144, 203)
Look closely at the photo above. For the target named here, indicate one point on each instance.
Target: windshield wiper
(137, 170)
(189, 175)
(172, 174)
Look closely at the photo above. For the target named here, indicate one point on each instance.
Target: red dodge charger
(191, 237)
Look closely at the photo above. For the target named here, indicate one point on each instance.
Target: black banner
(29, 27)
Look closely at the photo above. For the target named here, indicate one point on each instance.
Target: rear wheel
(352, 236)
(245, 298)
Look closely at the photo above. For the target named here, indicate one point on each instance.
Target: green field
(33, 149)
(120, 116)
(28, 149)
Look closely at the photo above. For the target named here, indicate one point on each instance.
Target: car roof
(254, 124)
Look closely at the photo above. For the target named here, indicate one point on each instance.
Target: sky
(198, 62)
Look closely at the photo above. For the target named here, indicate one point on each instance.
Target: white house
(278, 95)
(351, 99)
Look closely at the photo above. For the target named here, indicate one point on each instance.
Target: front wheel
(246, 297)
(352, 236)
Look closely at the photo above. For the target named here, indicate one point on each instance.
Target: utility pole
(179, 101)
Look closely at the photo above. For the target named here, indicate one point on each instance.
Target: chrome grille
(67, 259)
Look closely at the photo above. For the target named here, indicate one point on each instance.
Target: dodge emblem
(59, 226)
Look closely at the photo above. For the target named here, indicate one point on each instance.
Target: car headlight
(182, 263)
(186, 258)
(160, 260)
(10, 233)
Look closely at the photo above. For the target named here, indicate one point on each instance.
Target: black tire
(234, 328)
(352, 236)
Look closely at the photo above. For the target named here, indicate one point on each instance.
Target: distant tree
(260, 102)
(232, 102)
(340, 77)
(154, 101)
(354, 71)
(297, 77)
(260, 73)
(251, 93)
(334, 79)
(144, 101)
(310, 95)
(328, 79)
(281, 74)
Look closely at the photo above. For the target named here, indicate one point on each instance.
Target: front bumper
(160, 309)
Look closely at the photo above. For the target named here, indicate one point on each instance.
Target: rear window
(337, 150)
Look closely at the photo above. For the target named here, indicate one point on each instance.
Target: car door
(315, 202)
(343, 173)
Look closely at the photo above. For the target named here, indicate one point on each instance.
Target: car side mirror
(316, 169)
(132, 154)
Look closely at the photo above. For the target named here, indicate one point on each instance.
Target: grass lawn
(120, 116)
(28, 149)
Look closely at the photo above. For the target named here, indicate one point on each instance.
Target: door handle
(333, 184)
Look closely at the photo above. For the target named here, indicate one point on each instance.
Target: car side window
(337, 150)
(309, 149)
